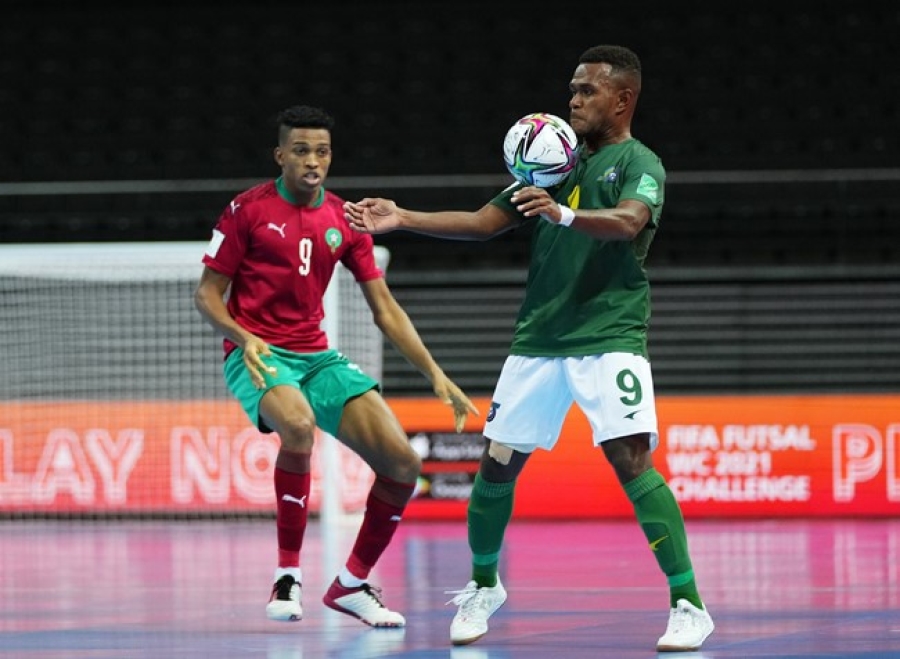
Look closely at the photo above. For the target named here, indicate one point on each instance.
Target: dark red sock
(384, 507)
(292, 482)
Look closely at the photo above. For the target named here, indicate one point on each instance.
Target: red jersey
(280, 257)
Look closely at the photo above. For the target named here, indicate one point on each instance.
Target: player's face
(304, 157)
(595, 100)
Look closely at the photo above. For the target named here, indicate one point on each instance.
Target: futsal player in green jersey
(273, 253)
(580, 336)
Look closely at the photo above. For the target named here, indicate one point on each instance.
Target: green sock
(660, 517)
(489, 511)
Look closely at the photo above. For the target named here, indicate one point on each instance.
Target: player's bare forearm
(399, 330)
(208, 298)
(411, 347)
(455, 225)
(209, 302)
(374, 215)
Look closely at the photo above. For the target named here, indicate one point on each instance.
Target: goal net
(112, 399)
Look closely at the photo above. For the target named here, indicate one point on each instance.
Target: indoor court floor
(184, 589)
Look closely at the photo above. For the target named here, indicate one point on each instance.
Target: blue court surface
(122, 589)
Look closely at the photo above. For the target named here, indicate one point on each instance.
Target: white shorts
(534, 394)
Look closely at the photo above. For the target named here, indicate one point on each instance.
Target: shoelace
(465, 597)
(374, 592)
(283, 587)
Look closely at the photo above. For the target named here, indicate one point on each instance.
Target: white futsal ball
(539, 149)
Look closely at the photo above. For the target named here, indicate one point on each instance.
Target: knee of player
(395, 459)
(501, 464)
(297, 432)
(407, 466)
(629, 456)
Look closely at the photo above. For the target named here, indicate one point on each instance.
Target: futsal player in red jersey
(272, 255)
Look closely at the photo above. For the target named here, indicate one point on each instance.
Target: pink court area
(121, 589)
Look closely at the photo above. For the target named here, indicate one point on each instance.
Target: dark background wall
(778, 123)
(185, 90)
(182, 91)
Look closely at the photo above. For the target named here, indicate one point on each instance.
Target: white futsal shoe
(687, 629)
(476, 605)
(284, 604)
(363, 602)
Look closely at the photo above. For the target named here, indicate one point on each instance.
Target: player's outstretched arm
(374, 215)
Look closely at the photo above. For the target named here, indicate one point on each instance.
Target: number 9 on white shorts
(534, 394)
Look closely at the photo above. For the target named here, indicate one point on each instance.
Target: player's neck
(601, 141)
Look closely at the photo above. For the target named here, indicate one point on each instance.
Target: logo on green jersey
(649, 188)
(610, 175)
(334, 238)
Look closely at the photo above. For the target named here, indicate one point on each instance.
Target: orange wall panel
(726, 456)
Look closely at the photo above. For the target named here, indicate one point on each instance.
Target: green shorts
(327, 379)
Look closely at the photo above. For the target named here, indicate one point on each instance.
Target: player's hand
(254, 350)
(372, 215)
(532, 201)
(447, 391)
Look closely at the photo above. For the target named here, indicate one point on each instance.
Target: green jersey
(586, 296)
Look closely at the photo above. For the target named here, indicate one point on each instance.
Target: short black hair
(302, 116)
(621, 59)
